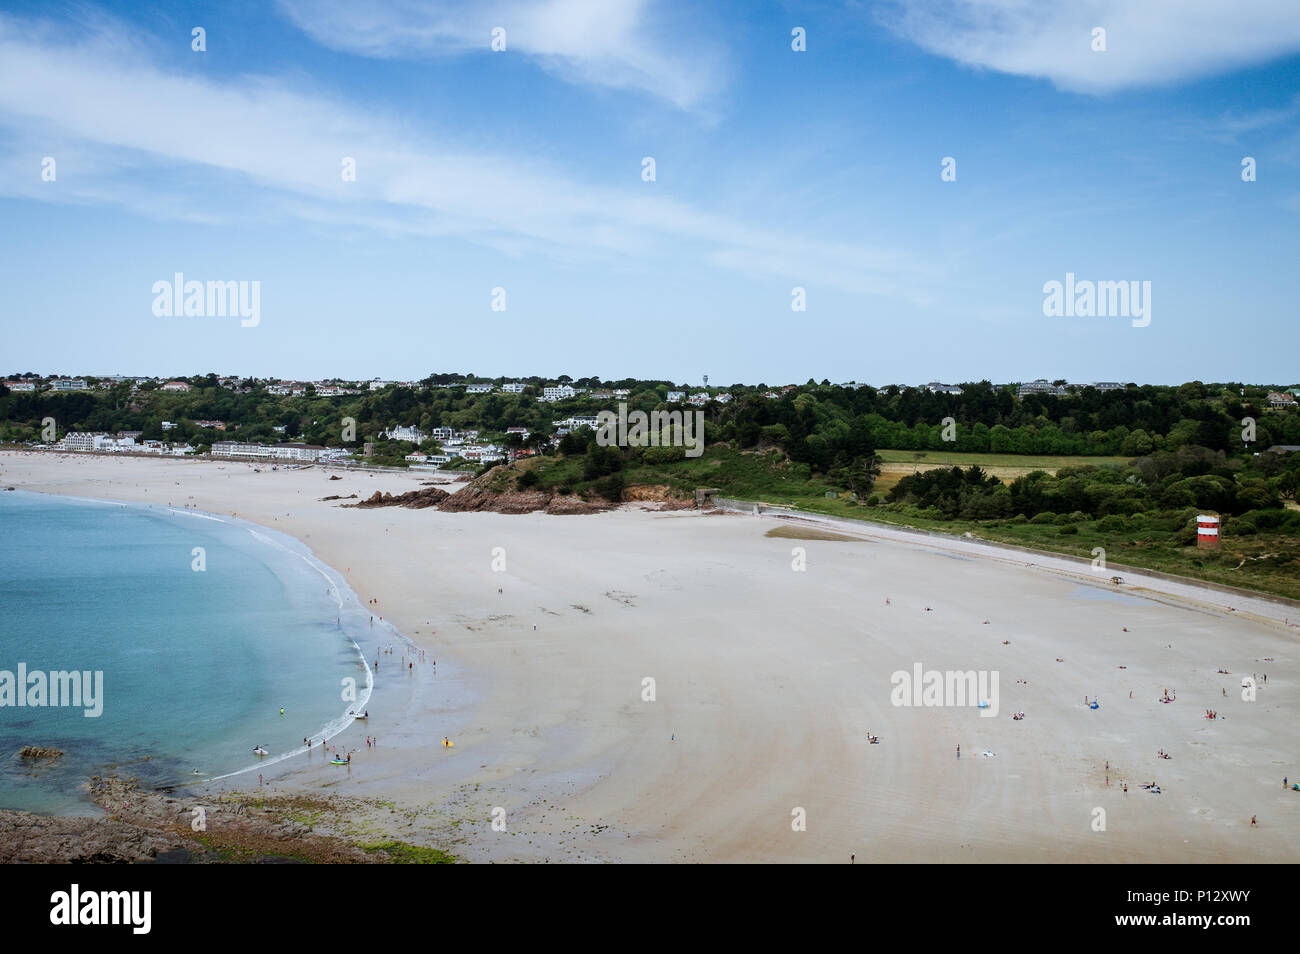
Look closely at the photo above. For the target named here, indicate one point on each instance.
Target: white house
(478, 388)
(675, 396)
(76, 441)
(514, 387)
(175, 386)
(412, 434)
(559, 393)
(1039, 386)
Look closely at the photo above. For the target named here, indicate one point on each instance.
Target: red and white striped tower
(1207, 531)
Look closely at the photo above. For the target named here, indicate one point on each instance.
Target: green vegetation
(404, 853)
(1142, 512)
(1123, 469)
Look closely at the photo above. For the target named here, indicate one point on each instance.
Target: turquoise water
(196, 665)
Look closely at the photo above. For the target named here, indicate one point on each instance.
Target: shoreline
(768, 681)
(346, 600)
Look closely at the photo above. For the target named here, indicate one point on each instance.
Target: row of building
(123, 442)
(309, 453)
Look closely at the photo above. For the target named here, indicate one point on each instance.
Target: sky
(502, 220)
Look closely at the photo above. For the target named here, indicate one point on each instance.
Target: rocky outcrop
(39, 752)
(562, 504)
(658, 496)
(413, 499)
(491, 497)
(42, 839)
(477, 497)
(148, 826)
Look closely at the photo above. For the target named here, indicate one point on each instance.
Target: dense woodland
(822, 424)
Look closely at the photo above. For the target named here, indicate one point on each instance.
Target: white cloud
(1147, 41)
(611, 43)
(181, 147)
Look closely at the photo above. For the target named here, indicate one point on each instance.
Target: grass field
(896, 464)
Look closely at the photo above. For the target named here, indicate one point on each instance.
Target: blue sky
(774, 169)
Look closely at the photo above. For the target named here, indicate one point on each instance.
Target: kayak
(339, 762)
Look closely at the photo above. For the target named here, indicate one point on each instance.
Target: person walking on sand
(959, 751)
(1252, 820)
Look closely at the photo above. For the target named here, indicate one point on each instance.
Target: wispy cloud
(1147, 42)
(620, 44)
(159, 143)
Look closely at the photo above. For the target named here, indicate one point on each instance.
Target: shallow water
(196, 663)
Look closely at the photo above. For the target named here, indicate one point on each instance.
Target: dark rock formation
(414, 499)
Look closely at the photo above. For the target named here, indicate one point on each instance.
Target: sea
(213, 636)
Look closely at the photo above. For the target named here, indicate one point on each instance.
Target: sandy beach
(767, 681)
